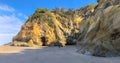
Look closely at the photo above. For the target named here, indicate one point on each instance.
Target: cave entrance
(44, 41)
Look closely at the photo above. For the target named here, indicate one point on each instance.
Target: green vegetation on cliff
(48, 27)
(43, 15)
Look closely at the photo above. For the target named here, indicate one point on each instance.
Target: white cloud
(10, 24)
(9, 19)
(6, 8)
(6, 38)
(22, 15)
(9, 27)
(7, 34)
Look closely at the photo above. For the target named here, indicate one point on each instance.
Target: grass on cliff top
(42, 15)
(92, 6)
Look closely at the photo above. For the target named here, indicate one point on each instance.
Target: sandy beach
(68, 54)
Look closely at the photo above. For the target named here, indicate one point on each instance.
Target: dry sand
(9, 54)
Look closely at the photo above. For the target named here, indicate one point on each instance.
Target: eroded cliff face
(96, 29)
(48, 28)
(100, 32)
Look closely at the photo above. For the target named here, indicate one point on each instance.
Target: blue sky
(13, 13)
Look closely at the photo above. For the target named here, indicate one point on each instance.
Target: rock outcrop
(95, 28)
(54, 27)
(100, 32)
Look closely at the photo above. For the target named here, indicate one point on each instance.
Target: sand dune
(9, 54)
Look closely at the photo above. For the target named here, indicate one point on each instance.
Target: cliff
(52, 27)
(95, 28)
(100, 32)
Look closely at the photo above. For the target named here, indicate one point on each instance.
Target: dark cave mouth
(44, 41)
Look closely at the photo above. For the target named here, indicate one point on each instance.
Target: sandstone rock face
(55, 27)
(107, 3)
(100, 32)
(40, 29)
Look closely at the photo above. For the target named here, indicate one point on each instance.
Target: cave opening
(44, 41)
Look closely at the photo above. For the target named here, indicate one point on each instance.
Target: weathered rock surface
(100, 32)
(55, 27)
(96, 29)
(107, 3)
